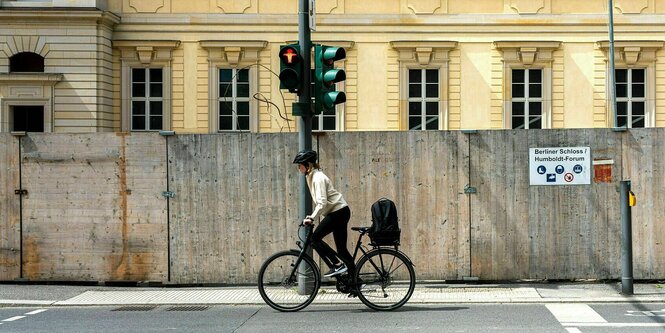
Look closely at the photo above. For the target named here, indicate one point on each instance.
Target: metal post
(305, 128)
(626, 241)
(611, 75)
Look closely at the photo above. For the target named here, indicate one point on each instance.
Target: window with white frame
(423, 99)
(631, 97)
(234, 99)
(147, 99)
(527, 99)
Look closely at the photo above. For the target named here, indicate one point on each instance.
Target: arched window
(26, 62)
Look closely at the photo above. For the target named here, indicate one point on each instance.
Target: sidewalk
(58, 295)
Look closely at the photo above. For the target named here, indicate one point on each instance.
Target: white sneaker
(336, 270)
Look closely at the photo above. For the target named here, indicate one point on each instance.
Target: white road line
(36, 311)
(615, 324)
(575, 313)
(14, 318)
(573, 330)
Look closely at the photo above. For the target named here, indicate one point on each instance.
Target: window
(147, 104)
(423, 99)
(28, 118)
(527, 99)
(233, 99)
(631, 97)
(326, 121)
(26, 62)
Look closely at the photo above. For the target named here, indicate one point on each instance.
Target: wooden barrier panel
(235, 203)
(644, 166)
(10, 241)
(94, 210)
(424, 174)
(542, 232)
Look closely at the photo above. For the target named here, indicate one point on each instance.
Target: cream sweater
(325, 198)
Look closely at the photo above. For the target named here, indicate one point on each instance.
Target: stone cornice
(417, 43)
(234, 51)
(249, 44)
(637, 52)
(527, 52)
(599, 19)
(33, 16)
(519, 44)
(30, 78)
(146, 51)
(604, 44)
(347, 44)
(423, 52)
(170, 44)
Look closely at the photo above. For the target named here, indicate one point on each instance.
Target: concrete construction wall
(210, 208)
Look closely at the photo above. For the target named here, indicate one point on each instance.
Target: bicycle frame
(370, 279)
(307, 244)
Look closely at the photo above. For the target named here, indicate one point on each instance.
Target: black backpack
(385, 229)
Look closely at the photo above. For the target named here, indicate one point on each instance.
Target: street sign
(312, 15)
(560, 166)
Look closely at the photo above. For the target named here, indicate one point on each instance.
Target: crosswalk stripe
(14, 318)
(36, 311)
(575, 313)
(615, 324)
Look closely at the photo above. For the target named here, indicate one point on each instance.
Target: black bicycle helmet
(305, 156)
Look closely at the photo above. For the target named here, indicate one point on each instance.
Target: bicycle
(383, 278)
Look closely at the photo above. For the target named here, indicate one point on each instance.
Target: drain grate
(188, 308)
(135, 308)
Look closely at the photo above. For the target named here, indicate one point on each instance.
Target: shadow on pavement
(406, 308)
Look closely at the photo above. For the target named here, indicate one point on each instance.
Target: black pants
(335, 222)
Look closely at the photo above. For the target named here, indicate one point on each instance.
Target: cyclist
(330, 205)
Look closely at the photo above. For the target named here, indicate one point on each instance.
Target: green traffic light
(333, 98)
(333, 76)
(332, 54)
(326, 75)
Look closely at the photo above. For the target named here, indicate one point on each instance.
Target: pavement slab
(432, 293)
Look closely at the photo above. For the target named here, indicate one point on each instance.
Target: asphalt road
(627, 317)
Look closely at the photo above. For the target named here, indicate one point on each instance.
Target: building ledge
(98, 4)
(30, 78)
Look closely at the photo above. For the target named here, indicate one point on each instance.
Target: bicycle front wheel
(385, 279)
(287, 283)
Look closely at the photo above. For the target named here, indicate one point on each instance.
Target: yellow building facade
(208, 66)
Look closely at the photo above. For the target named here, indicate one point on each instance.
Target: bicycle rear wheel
(286, 287)
(385, 279)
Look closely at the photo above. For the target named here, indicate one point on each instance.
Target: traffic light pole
(305, 96)
(305, 128)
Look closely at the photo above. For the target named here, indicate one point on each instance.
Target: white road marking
(615, 324)
(36, 311)
(656, 313)
(573, 330)
(575, 313)
(14, 318)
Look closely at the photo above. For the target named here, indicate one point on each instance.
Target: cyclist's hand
(307, 221)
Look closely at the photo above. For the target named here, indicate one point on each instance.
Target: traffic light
(325, 77)
(290, 68)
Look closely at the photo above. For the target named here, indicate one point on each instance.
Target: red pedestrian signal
(289, 55)
(290, 68)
